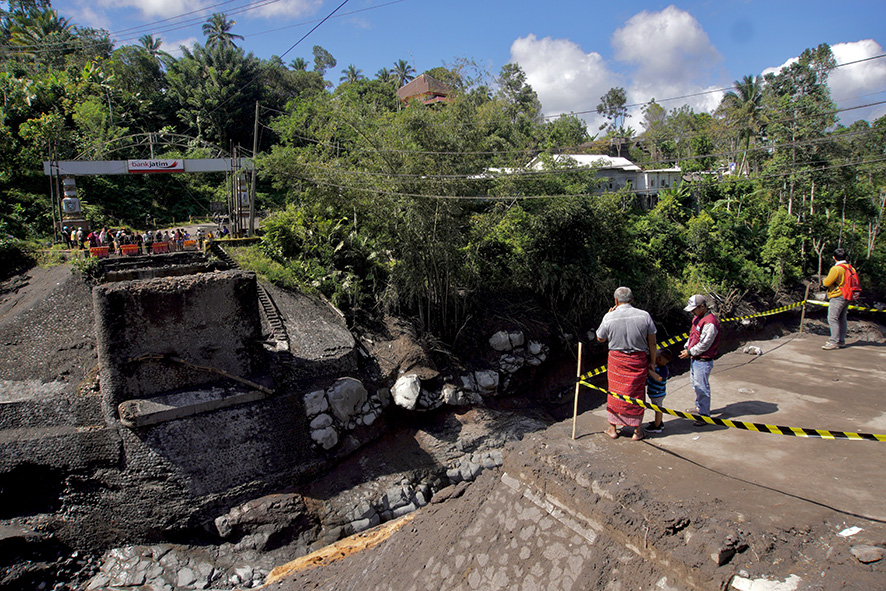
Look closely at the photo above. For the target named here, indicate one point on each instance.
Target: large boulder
(406, 391)
(269, 512)
(346, 397)
(506, 341)
(315, 403)
(326, 438)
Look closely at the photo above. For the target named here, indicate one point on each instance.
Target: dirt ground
(46, 327)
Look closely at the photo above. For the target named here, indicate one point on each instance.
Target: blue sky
(571, 51)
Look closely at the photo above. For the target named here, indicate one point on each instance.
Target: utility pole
(252, 187)
(52, 196)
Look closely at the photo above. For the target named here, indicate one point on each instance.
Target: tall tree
(403, 72)
(218, 31)
(742, 106)
(29, 6)
(299, 64)
(152, 47)
(613, 107)
(41, 36)
(656, 134)
(323, 60)
(385, 75)
(351, 74)
(214, 90)
(802, 112)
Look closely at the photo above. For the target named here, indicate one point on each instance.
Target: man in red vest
(701, 349)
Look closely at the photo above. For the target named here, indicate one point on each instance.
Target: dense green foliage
(428, 210)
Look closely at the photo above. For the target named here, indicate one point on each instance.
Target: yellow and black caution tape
(673, 340)
(766, 313)
(685, 335)
(661, 345)
(851, 306)
(759, 427)
(592, 373)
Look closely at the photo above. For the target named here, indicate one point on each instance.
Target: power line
(704, 92)
(364, 188)
(534, 151)
(348, 13)
(317, 26)
(134, 33)
(203, 10)
(201, 19)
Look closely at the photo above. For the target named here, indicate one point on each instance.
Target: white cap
(694, 302)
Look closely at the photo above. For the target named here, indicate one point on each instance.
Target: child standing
(656, 387)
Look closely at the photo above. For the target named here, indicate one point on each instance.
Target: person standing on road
(701, 350)
(630, 334)
(656, 388)
(838, 307)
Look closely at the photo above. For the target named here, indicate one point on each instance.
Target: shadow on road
(745, 408)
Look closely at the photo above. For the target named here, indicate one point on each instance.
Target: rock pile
(473, 386)
(347, 404)
(342, 407)
(167, 567)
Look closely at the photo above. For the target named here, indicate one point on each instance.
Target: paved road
(793, 383)
(592, 513)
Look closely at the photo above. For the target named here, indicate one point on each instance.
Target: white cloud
(174, 48)
(155, 8)
(858, 84)
(668, 55)
(288, 9)
(162, 9)
(778, 69)
(86, 15)
(672, 55)
(668, 46)
(565, 78)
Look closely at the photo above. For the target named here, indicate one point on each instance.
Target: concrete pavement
(793, 383)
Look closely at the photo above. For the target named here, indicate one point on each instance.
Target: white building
(618, 172)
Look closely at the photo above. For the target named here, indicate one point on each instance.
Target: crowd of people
(636, 367)
(146, 242)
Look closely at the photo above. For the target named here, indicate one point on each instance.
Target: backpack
(851, 289)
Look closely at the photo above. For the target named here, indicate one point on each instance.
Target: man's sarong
(627, 376)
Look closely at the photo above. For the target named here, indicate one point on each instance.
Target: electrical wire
(365, 189)
(532, 152)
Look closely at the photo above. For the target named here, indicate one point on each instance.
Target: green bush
(15, 257)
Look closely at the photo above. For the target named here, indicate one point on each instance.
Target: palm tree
(217, 30)
(403, 72)
(299, 64)
(152, 46)
(40, 34)
(385, 75)
(351, 74)
(743, 105)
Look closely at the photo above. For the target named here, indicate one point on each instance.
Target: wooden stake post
(803, 314)
(577, 386)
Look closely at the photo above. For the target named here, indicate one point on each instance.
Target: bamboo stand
(577, 385)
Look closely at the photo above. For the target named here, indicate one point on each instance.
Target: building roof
(598, 160)
(423, 85)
